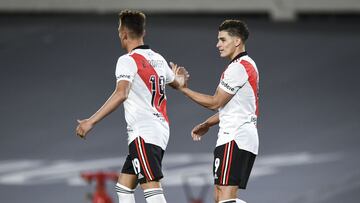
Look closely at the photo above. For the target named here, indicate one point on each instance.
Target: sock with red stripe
(154, 195)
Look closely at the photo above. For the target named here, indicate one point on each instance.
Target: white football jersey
(145, 107)
(238, 117)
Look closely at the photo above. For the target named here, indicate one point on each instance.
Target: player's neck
(237, 52)
(132, 44)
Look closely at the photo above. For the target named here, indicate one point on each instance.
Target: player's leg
(216, 194)
(127, 182)
(153, 192)
(148, 162)
(232, 168)
(226, 194)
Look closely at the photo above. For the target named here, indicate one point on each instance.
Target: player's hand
(83, 128)
(181, 75)
(199, 130)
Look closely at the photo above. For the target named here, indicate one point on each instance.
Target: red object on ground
(100, 195)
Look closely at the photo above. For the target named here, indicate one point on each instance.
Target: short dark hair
(134, 21)
(235, 28)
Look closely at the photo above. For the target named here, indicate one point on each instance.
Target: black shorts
(232, 166)
(144, 160)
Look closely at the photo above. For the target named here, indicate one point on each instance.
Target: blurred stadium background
(57, 62)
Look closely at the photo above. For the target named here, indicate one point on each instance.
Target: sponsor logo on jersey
(227, 86)
(123, 76)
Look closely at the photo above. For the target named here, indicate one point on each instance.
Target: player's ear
(144, 33)
(238, 41)
(125, 34)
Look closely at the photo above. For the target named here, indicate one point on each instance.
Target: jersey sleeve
(126, 69)
(170, 76)
(233, 78)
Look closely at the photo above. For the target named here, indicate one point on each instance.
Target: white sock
(240, 201)
(154, 195)
(125, 194)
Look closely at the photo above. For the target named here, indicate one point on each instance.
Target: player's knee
(125, 194)
(216, 193)
(226, 192)
(216, 198)
(150, 185)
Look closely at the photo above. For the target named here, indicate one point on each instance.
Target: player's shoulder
(242, 62)
(125, 62)
(235, 66)
(124, 57)
(155, 55)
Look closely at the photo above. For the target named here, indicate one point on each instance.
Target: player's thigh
(128, 180)
(216, 194)
(225, 192)
(128, 176)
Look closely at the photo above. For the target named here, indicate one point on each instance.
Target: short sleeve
(126, 69)
(233, 78)
(170, 76)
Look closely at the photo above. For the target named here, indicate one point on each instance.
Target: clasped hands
(181, 75)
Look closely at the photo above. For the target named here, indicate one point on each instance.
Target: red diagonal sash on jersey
(146, 72)
(253, 80)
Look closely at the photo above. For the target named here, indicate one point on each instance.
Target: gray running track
(58, 68)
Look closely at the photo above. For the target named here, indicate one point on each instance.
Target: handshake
(181, 76)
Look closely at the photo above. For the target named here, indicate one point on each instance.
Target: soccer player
(236, 100)
(141, 76)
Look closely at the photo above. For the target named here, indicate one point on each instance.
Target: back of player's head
(134, 21)
(235, 28)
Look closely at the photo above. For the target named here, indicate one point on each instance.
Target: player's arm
(199, 130)
(119, 95)
(219, 99)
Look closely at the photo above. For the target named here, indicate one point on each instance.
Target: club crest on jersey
(143, 63)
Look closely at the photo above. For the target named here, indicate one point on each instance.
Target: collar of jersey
(238, 56)
(142, 47)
